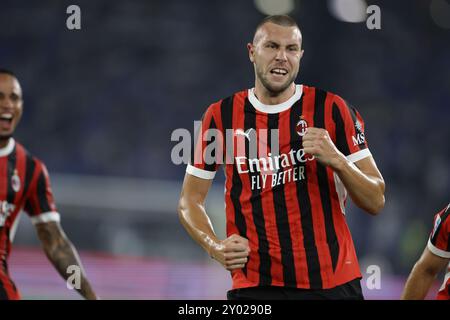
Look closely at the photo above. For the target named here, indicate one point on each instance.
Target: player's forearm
(418, 284)
(367, 192)
(63, 256)
(197, 223)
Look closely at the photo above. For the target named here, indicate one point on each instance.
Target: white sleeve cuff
(46, 217)
(200, 173)
(359, 155)
(437, 251)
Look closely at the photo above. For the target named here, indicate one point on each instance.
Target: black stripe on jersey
(4, 262)
(352, 111)
(42, 193)
(29, 172)
(226, 114)
(3, 294)
(12, 164)
(312, 256)
(281, 214)
(211, 140)
(341, 137)
(444, 216)
(448, 240)
(239, 219)
(324, 187)
(265, 278)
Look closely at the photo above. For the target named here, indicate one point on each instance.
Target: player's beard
(275, 89)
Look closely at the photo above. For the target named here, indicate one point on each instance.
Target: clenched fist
(317, 142)
(232, 252)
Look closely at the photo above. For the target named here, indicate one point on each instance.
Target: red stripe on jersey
(201, 139)
(440, 236)
(4, 174)
(347, 265)
(7, 288)
(301, 267)
(239, 278)
(47, 201)
(315, 198)
(3, 190)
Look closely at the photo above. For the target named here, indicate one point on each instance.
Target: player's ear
(301, 53)
(251, 51)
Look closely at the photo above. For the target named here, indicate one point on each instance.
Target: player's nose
(281, 55)
(6, 103)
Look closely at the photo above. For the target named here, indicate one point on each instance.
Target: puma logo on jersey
(246, 134)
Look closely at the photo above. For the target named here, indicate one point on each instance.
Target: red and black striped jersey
(24, 184)
(439, 244)
(289, 206)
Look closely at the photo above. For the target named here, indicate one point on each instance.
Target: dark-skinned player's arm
(232, 253)
(423, 275)
(434, 259)
(62, 254)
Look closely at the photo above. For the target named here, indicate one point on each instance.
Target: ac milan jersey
(24, 184)
(289, 206)
(439, 244)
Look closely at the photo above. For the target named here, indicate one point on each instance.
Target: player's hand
(318, 143)
(232, 253)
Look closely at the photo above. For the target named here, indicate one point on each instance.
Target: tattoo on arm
(62, 254)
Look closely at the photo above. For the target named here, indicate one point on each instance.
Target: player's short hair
(281, 20)
(8, 72)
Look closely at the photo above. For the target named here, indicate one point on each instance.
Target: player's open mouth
(279, 71)
(6, 117)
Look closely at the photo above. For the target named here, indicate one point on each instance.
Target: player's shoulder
(439, 237)
(227, 102)
(336, 97)
(441, 222)
(306, 88)
(444, 214)
(30, 158)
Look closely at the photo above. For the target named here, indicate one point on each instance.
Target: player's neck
(4, 142)
(268, 98)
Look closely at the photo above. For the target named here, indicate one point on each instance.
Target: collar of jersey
(8, 148)
(275, 108)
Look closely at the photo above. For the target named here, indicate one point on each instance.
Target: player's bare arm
(62, 254)
(362, 179)
(423, 275)
(232, 252)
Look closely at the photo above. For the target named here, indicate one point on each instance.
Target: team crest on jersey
(15, 182)
(301, 126)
